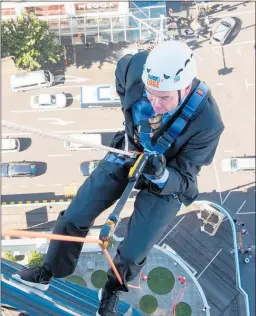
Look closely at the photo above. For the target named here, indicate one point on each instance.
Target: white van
(10, 144)
(31, 80)
(93, 138)
(238, 164)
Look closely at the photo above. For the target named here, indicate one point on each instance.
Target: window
(234, 164)
(226, 24)
(47, 76)
(53, 99)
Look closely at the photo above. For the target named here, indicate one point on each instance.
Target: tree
(35, 258)
(29, 41)
(9, 256)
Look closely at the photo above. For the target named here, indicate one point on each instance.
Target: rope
(24, 233)
(24, 128)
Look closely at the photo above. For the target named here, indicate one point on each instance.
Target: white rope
(23, 128)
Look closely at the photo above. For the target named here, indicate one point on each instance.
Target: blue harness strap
(198, 97)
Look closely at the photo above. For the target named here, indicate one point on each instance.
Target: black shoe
(108, 303)
(37, 277)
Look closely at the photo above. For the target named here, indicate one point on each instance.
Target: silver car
(48, 101)
(222, 31)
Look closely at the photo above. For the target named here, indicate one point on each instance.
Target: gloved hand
(155, 166)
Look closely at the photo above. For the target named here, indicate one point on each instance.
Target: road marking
(64, 86)
(226, 197)
(23, 186)
(229, 151)
(77, 97)
(45, 110)
(5, 187)
(171, 230)
(60, 155)
(248, 84)
(232, 14)
(58, 184)
(218, 181)
(241, 207)
(220, 83)
(200, 58)
(57, 121)
(63, 78)
(247, 213)
(209, 263)
(39, 185)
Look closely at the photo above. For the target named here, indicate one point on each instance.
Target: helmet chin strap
(179, 94)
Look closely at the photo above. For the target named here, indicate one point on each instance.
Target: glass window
(53, 24)
(47, 76)
(104, 24)
(132, 35)
(132, 23)
(118, 23)
(105, 36)
(118, 36)
(53, 99)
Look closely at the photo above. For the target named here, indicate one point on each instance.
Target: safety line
(24, 128)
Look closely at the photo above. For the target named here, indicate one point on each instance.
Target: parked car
(18, 169)
(221, 33)
(43, 101)
(238, 164)
(32, 80)
(10, 144)
(87, 167)
(93, 138)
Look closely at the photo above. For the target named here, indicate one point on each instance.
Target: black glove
(155, 166)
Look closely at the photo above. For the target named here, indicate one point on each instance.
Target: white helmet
(170, 66)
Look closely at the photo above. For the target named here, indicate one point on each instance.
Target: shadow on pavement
(69, 99)
(25, 143)
(100, 53)
(41, 168)
(235, 32)
(36, 216)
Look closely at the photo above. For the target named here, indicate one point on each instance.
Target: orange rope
(24, 233)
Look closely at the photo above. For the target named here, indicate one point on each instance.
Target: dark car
(18, 169)
(87, 167)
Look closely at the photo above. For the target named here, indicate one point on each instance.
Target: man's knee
(72, 224)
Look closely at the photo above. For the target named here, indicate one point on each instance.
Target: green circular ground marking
(99, 278)
(161, 280)
(76, 279)
(148, 304)
(183, 309)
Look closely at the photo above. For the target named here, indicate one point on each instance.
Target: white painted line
(56, 120)
(247, 213)
(23, 186)
(64, 86)
(209, 263)
(220, 83)
(4, 187)
(241, 207)
(45, 110)
(39, 185)
(60, 155)
(246, 84)
(218, 181)
(58, 184)
(171, 230)
(226, 196)
(229, 151)
(236, 44)
(200, 58)
(214, 49)
(232, 14)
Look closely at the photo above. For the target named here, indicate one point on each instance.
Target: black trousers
(152, 213)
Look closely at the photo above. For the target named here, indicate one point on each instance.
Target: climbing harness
(108, 228)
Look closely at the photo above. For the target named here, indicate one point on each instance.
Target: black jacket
(196, 145)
